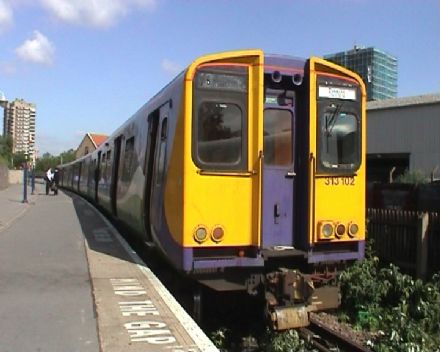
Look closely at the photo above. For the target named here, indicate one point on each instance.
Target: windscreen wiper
(333, 118)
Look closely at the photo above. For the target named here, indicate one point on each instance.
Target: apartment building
(19, 123)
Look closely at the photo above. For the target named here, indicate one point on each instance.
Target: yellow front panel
(219, 200)
(340, 199)
(335, 199)
(229, 199)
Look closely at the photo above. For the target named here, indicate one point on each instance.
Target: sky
(88, 65)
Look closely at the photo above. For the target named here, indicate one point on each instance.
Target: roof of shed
(404, 101)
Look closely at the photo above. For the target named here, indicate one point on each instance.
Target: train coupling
(291, 295)
(283, 318)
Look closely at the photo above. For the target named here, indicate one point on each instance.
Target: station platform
(70, 282)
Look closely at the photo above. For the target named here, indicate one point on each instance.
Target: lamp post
(4, 105)
(25, 181)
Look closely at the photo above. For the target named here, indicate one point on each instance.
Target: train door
(156, 201)
(90, 168)
(115, 175)
(278, 170)
(97, 175)
(153, 123)
(78, 177)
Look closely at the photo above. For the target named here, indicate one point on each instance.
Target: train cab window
(277, 137)
(220, 118)
(338, 126)
(220, 133)
(340, 139)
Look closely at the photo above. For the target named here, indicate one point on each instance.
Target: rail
(325, 339)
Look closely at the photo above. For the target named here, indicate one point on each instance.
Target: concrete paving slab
(45, 295)
(135, 311)
(69, 282)
(12, 206)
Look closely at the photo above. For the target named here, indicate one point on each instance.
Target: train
(247, 173)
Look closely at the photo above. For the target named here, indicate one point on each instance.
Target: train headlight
(353, 229)
(200, 234)
(340, 230)
(217, 233)
(326, 230)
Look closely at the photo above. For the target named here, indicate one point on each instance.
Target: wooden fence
(408, 239)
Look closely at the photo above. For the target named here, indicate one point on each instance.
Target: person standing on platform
(48, 178)
(56, 181)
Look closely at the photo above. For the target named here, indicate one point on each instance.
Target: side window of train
(108, 169)
(129, 164)
(103, 166)
(162, 151)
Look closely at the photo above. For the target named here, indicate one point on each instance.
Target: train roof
(284, 60)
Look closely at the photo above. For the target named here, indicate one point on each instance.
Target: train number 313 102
(336, 181)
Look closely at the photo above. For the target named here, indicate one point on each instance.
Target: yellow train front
(247, 172)
(265, 188)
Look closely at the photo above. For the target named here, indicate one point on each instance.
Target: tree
(5, 148)
(67, 156)
(45, 162)
(19, 159)
(48, 160)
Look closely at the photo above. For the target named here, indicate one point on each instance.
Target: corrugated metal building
(404, 134)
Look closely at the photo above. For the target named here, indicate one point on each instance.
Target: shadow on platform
(99, 235)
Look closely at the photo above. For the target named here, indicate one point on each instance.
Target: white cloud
(6, 15)
(38, 50)
(96, 13)
(170, 67)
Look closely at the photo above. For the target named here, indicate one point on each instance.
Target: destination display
(337, 93)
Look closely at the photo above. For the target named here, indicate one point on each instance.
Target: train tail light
(217, 233)
(340, 230)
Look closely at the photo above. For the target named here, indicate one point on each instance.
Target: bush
(287, 341)
(405, 312)
(3, 161)
(413, 177)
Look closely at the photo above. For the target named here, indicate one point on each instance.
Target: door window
(277, 137)
(162, 151)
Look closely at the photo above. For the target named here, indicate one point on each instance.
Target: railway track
(325, 339)
(322, 338)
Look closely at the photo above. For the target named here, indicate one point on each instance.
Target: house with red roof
(90, 142)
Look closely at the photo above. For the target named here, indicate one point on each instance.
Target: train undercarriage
(289, 293)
